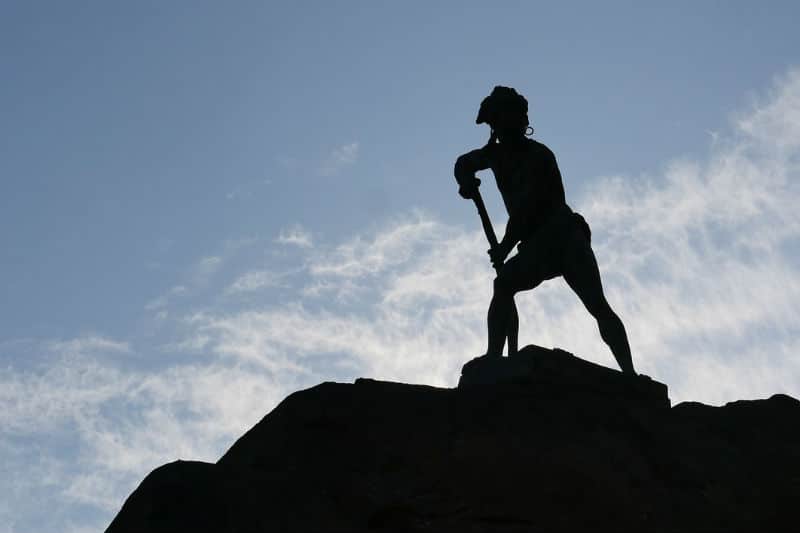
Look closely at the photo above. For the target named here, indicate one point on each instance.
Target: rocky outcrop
(544, 442)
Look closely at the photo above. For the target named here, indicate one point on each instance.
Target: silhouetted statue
(552, 239)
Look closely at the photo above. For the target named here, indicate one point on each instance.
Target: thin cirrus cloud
(256, 280)
(295, 236)
(163, 300)
(701, 262)
(339, 158)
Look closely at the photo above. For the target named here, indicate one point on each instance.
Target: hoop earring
(526, 131)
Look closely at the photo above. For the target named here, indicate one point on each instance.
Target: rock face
(543, 442)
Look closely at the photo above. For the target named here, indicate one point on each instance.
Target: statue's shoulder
(540, 150)
(537, 146)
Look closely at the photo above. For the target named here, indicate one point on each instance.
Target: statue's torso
(529, 181)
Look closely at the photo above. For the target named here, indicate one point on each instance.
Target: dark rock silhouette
(543, 368)
(549, 443)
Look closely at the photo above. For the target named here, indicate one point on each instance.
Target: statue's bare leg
(583, 277)
(515, 276)
(513, 331)
(499, 318)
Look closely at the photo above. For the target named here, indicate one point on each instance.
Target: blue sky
(206, 206)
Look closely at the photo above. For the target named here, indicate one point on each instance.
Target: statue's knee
(604, 314)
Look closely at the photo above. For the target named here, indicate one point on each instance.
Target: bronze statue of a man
(552, 239)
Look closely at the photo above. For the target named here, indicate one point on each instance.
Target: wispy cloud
(258, 279)
(339, 158)
(198, 275)
(296, 235)
(774, 123)
(365, 259)
(163, 300)
(410, 317)
(366, 255)
(88, 345)
(205, 268)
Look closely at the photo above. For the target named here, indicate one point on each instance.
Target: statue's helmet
(503, 102)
